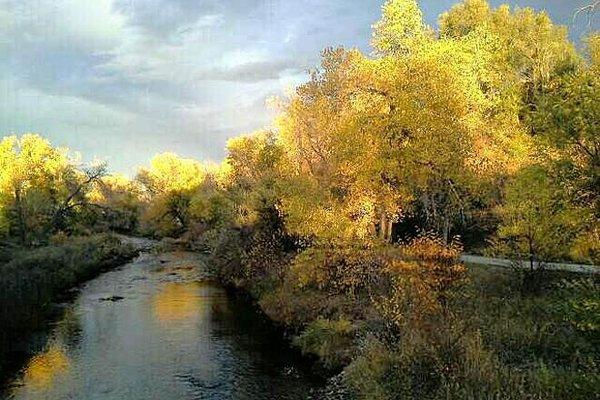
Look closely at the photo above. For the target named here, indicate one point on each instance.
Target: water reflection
(43, 368)
(187, 301)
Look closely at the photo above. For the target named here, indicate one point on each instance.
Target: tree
(116, 203)
(253, 174)
(527, 48)
(538, 222)
(333, 187)
(169, 185)
(566, 122)
(42, 190)
(401, 27)
(464, 18)
(33, 184)
(427, 127)
(79, 185)
(212, 205)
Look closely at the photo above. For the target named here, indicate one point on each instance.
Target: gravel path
(505, 263)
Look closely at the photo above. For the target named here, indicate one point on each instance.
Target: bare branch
(589, 10)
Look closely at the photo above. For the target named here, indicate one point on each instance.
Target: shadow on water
(160, 329)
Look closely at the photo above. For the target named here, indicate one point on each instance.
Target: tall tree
(169, 185)
(34, 182)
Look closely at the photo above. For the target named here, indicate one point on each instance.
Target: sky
(123, 80)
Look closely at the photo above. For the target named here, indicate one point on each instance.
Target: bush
(415, 371)
(348, 270)
(253, 257)
(330, 340)
(424, 277)
(578, 305)
(409, 322)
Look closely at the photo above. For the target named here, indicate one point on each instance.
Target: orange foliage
(423, 275)
(438, 264)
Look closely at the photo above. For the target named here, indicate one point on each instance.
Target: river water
(159, 328)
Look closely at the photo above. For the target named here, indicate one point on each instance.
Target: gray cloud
(160, 17)
(257, 71)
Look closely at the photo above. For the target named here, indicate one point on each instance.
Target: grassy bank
(404, 322)
(31, 279)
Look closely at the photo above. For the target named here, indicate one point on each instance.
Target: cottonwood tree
(33, 183)
(327, 193)
(41, 188)
(168, 187)
(115, 203)
(252, 174)
(78, 186)
(566, 122)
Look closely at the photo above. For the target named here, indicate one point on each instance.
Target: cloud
(80, 26)
(255, 71)
(161, 17)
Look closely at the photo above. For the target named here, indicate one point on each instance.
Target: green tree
(566, 122)
(537, 220)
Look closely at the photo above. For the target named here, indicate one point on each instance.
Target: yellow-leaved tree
(168, 187)
(37, 184)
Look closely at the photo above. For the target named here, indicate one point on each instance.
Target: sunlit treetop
(400, 27)
(115, 189)
(30, 159)
(525, 40)
(464, 17)
(252, 171)
(593, 46)
(32, 162)
(250, 156)
(170, 173)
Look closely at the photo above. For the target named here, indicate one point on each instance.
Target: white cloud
(89, 25)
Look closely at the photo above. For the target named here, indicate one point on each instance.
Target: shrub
(296, 307)
(348, 270)
(330, 340)
(424, 277)
(578, 305)
(373, 374)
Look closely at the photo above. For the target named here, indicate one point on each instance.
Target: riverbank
(412, 321)
(32, 280)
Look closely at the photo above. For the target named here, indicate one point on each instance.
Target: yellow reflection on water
(184, 301)
(43, 368)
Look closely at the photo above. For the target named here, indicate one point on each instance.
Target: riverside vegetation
(345, 220)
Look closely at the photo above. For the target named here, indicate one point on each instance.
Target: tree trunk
(383, 224)
(446, 230)
(385, 228)
(21, 228)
